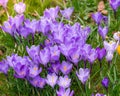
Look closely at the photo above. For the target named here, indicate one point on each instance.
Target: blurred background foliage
(82, 14)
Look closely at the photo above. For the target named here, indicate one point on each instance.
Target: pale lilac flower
(116, 36)
(66, 67)
(3, 3)
(67, 12)
(110, 46)
(64, 82)
(20, 7)
(52, 79)
(109, 56)
(83, 75)
(65, 92)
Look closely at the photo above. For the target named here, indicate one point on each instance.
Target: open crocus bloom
(83, 75)
(52, 79)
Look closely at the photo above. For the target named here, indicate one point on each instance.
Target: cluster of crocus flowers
(62, 39)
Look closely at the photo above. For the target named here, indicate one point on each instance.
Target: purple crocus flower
(105, 82)
(65, 92)
(9, 26)
(54, 11)
(38, 82)
(67, 12)
(114, 4)
(20, 8)
(21, 70)
(32, 25)
(103, 31)
(56, 67)
(101, 53)
(44, 56)
(97, 17)
(34, 70)
(55, 53)
(92, 56)
(52, 79)
(64, 82)
(33, 52)
(3, 3)
(4, 67)
(66, 67)
(83, 75)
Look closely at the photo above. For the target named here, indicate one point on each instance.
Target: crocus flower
(64, 82)
(3, 3)
(38, 82)
(44, 56)
(103, 31)
(116, 36)
(109, 56)
(67, 12)
(110, 46)
(9, 26)
(56, 67)
(97, 17)
(92, 56)
(52, 79)
(20, 7)
(114, 4)
(34, 70)
(65, 92)
(83, 75)
(105, 82)
(4, 67)
(66, 67)
(54, 11)
(54, 53)
(101, 53)
(21, 71)
(33, 52)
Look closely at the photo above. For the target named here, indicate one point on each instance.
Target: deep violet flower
(97, 17)
(103, 31)
(38, 82)
(67, 12)
(52, 79)
(66, 67)
(64, 82)
(105, 82)
(65, 92)
(20, 7)
(83, 75)
(3, 3)
(55, 67)
(101, 53)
